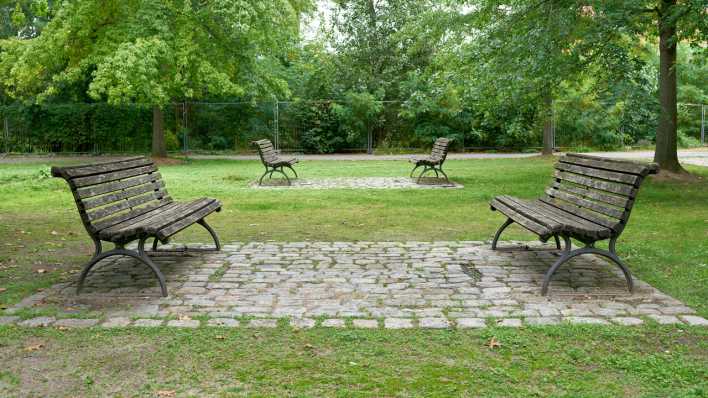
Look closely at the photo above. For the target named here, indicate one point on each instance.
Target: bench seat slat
(607, 186)
(130, 216)
(95, 190)
(112, 176)
(582, 202)
(107, 167)
(619, 201)
(69, 172)
(589, 216)
(622, 178)
(623, 166)
(125, 194)
(189, 220)
(527, 223)
(135, 201)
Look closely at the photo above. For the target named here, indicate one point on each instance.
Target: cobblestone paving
(395, 285)
(356, 183)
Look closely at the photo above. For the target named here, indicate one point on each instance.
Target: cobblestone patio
(357, 183)
(394, 285)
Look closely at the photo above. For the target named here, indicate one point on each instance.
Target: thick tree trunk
(548, 124)
(159, 149)
(665, 154)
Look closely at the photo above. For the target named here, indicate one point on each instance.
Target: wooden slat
(106, 168)
(113, 176)
(533, 226)
(623, 178)
(582, 213)
(607, 186)
(620, 201)
(606, 164)
(95, 190)
(136, 215)
(77, 171)
(130, 216)
(157, 219)
(124, 205)
(189, 220)
(114, 197)
(585, 203)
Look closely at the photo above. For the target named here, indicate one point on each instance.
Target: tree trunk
(159, 149)
(548, 124)
(665, 154)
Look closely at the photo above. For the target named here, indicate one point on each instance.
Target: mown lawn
(43, 242)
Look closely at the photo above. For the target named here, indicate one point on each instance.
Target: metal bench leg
(414, 169)
(260, 181)
(147, 261)
(425, 170)
(567, 255)
(213, 234)
(558, 243)
(501, 229)
(443, 173)
(283, 173)
(293, 170)
(121, 251)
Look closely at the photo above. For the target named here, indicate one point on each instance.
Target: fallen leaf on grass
(184, 318)
(62, 328)
(41, 271)
(34, 347)
(493, 343)
(167, 393)
(2, 289)
(219, 337)
(55, 233)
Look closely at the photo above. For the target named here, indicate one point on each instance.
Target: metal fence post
(6, 134)
(276, 128)
(703, 124)
(185, 134)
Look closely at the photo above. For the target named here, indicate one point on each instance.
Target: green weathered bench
(125, 200)
(272, 161)
(435, 161)
(589, 200)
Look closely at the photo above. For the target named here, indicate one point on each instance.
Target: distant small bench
(126, 200)
(434, 162)
(272, 161)
(589, 200)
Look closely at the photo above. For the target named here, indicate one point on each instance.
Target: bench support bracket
(427, 168)
(508, 222)
(589, 249)
(120, 250)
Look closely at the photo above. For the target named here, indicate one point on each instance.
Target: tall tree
(155, 52)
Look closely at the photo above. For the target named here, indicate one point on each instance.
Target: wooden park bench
(589, 200)
(435, 161)
(272, 161)
(126, 200)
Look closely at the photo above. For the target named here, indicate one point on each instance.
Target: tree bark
(159, 148)
(665, 154)
(548, 124)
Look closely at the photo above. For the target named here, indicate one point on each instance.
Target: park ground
(44, 243)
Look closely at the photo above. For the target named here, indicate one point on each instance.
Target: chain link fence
(319, 127)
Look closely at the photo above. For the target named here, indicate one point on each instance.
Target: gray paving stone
(466, 323)
(41, 321)
(183, 323)
(333, 323)
(117, 322)
(627, 321)
(585, 320)
(542, 320)
(8, 320)
(76, 323)
(263, 323)
(694, 320)
(302, 323)
(434, 323)
(664, 319)
(365, 323)
(398, 323)
(509, 322)
(147, 323)
(223, 322)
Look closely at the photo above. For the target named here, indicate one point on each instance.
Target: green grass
(664, 244)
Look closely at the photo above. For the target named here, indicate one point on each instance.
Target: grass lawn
(44, 242)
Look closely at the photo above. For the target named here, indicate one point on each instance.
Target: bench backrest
(440, 147)
(266, 151)
(597, 189)
(109, 193)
